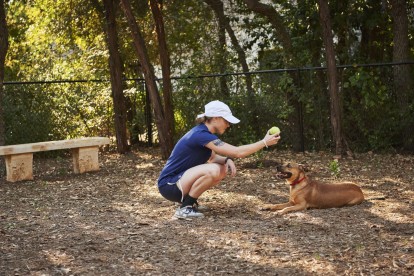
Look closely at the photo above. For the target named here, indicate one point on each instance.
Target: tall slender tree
(4, 45)
(218, 8)
(156, 6)
(116, 69)
(277, 22)
(283, 35)
(221, 45)
(166, 141)
(336, 110)
(403, 82)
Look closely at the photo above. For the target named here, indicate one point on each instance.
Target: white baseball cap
(219, 109)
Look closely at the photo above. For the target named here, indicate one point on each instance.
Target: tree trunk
(277, 22)
(217, 7)
(222, 59)
(403, 83)
(295, 119)
(336, 111)
(4, 45)
(115, 67)
(139, 44)
(166, 72)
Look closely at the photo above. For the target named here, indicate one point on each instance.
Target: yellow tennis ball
(274, 130)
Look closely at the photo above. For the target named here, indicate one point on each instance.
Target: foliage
(335, 168)
(27, 116)
(371, 110)
(65, 40)
(49, 112)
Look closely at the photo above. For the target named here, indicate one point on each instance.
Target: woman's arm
(223, 160)
(216, 158)
(226, 149)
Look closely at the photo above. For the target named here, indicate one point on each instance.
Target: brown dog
(306, 193)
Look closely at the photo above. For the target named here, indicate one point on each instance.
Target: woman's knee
(218, 174)
(214, 174)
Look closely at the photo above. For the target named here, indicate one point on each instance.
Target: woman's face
(222, 125)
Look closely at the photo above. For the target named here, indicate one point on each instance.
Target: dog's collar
(297, 181)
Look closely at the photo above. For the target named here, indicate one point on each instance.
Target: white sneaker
(187, 212)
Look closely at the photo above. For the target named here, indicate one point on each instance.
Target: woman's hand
(230, 166)
(271, 139)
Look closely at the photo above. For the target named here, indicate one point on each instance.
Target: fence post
(300, 115)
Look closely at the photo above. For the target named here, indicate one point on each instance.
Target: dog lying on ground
(307, 193)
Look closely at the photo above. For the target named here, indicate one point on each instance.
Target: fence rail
(296, 99)
(218, 75)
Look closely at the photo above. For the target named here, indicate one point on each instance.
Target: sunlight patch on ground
(395, 208)
(263, 252)
(410, 195)
(398, 182)
(144, 166)
(140, 264)
(60, 259)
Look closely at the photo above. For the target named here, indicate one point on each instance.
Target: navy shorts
(171, 191)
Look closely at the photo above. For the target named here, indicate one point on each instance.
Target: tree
(115, 68)
(4, 44)
(282, 32)
(336, 111)
(403, 83)
(165, 67)
(217, 7)
(277, 22)
(166, 141)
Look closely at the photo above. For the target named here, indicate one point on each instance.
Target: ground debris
(114, 222)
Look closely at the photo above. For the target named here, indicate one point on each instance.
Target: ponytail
(200, 120)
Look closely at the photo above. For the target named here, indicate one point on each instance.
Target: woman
(200, 160)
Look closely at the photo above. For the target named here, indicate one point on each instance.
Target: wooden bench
(19, 158)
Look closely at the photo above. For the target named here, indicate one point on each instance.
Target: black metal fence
(294, 99)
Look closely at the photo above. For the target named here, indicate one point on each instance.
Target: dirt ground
(114, 222)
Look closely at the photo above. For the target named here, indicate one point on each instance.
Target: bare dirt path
(114, 222)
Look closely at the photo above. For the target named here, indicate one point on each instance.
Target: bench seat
(19, 158)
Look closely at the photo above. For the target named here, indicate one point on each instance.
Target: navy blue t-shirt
(190, 151)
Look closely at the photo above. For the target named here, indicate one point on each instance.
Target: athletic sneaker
(188, 212)
(197, 207)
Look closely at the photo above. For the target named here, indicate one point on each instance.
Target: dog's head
(290, 171)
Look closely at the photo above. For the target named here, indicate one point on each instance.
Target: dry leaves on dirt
(114, 222)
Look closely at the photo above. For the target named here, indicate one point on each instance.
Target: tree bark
(274, 18)
(217, 7)
(4, 45)
(116, 69)
(277, 22)
(165, 66)
(336, 111)
(222, 59)
(166, 143)
(403, 83)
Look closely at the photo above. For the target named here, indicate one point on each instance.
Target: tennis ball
(274, 130)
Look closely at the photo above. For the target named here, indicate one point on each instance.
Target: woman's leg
(199, 179)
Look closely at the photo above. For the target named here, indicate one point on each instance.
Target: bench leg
(19, 167)
(85, 159)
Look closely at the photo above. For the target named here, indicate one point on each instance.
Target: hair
(202, 120)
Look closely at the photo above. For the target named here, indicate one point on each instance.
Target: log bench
(19, 158)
